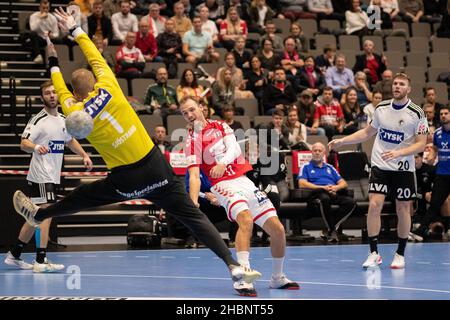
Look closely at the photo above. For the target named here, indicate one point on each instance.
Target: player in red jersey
(212, 148)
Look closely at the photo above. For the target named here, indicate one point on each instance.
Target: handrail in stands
(12, 104)
(1, 87)
(28, 107)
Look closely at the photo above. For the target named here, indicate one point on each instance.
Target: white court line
(296, 259)
(193, 257)
(423, 262)
(115, 256)
(64, 255)
(90, 256)
(142, 257)
(446, 263)
(265, 248)
(347, 260)
(228, 279)
(268, 258)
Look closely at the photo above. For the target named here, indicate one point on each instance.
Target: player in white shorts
(44, 136)
(401, 129)
(212, 147)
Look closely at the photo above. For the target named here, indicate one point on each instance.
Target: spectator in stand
(43, 24)
(430, 98)
(182, 23)
(169, 45)
(228, 117)
(324, 10)
(385, 84)
(106, 54)
(216, 10)
(371, 63)
(270, 33)
(209, 25)
(369, 109)
(279, 94)
(189, 87)
(269, 60)
(256, 78)
(223, 90)
(259, 13)
(297, 130)
(327, 59)
(355, 118)
(241, 56)
(328, 114)
(231, 28)
(296, 32)
(339, 77)
(198, 45)
(160, 139)
(430, 113)
(306, 111)
(310, 77)
(99, 24)
(123, 21)
(161, 97)
(130, 61)
(356, 20)
(414, 11)
(146, 42)
(444, 29)
(384, 26)
(341, 6)
(241, 6)
(434, 9)
(110, 7)
(238, 78)
(156, 22)
(391, 7)
(291, 60)
(295, 9)
(362, 89)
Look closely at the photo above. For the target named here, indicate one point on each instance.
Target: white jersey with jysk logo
(397, 129)
(49, 131)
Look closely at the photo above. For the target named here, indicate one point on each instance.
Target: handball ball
(79, 124)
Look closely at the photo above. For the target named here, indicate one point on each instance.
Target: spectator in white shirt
(123, 21)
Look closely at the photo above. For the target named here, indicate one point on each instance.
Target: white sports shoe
(39, 59)
(26, 208)
(398, 262)
(12, 261)
(414, 237)
(373, 260)
(283, 283)
(243, 273)
(245, 289)
(47, 267)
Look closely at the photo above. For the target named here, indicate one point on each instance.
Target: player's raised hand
(334, 144)
(65, 20)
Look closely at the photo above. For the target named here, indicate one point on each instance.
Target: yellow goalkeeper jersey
(118, 134)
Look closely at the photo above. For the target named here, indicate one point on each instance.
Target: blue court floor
(324, 272)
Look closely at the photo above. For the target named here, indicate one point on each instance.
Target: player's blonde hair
(83, 82)
(402, 75)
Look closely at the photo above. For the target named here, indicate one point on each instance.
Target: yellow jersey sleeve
(118, 134)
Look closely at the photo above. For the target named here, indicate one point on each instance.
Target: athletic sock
(373, 241)
(41, 253)
(17, 249)
(401, 246)
(242, 258)
(277, 267)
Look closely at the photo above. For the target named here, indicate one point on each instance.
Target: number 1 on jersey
(106, 115)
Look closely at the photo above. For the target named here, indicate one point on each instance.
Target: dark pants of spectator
(38, 44)
(295, 15)
(330, 131)
(320, 202)
(332, 16)
(440, 192)
(429, 19)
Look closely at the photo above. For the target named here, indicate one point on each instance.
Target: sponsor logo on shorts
(260, 196)
(56, 146)
(390, 136)
(96, 104)
(378, 187)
